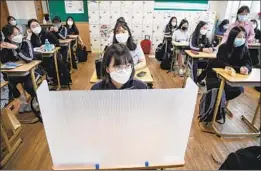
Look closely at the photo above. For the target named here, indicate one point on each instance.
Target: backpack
(166, 61)
(159, 52)
(243, 159)
(81, 53)
(146, 44)
(207, 106)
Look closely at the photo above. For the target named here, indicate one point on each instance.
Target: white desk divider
(117, 129)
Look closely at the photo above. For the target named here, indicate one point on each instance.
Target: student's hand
(207, 50)
(55, 29)
(9, 45)
(51, 29)
(42, 48)
(243, 70)
(29, 34)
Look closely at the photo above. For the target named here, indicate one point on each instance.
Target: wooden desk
(193, 60)
(67, 42)
(147, 78)
(25, 67)
(54, 54)
(177, 47)
(251, 80)
(254, 46)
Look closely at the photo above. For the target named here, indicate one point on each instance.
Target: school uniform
(73, 31)
(137, 54)
(62, 34)
(198, 45)
(180, 36)
(235, 60)
(25, 53)
(131, 84)
(220, 31)
(39, 40)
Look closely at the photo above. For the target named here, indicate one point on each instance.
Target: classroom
(182, 80)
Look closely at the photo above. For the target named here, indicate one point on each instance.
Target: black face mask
(184, 28)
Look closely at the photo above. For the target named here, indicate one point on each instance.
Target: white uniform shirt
(180, 36)
(137, 54)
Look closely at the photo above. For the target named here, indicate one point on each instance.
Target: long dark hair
(181, 23)
(242, 9)
(130, 42)
(254, 21)
(231, 38)
(121, 55)
(170, 21)
(224, 22)
(73, 26)
(196, 33)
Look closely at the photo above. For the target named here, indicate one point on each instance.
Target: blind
(178, 5)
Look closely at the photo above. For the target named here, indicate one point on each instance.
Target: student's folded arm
(192, 45)
(63, 33)
(26, 52)
(53, 39)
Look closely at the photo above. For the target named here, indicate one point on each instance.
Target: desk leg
(33, 79)
(251, 123)
(70, 55)
(186, 72)
(57, 71)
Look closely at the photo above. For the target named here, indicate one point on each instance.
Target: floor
(33, 153)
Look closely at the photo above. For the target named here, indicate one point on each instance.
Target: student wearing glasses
(118, 70)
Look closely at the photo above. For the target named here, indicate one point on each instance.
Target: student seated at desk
(60, 32)
(12, 21)
(222, 27)
(200, 42)
(181, 35)
(72, 30)
(118, 70)
(14, 48)
(171, 26)
(110, 40)
(37, 36)
(122, 34)
(233, 53)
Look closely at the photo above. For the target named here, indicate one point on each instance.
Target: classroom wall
(22, 10)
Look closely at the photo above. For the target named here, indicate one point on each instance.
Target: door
(4, 13)
(39, 10)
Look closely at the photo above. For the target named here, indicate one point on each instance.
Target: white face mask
(17, 39)
(174, 23)
(242, 17)
(122, 37)
(70, 23)
(225, 26)
(37, 30)
(13, 22)
(121, 76)
(203, 31)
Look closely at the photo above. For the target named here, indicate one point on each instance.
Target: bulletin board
(178, 5)
(57, 8)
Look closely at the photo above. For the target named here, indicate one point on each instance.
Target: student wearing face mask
(60, 32)
(222, 27)
(37, 36)
(242, 20)
(232, 53)
(12, 21)
(110, 40)
(181, 35)
(171, 26)
(118, 70)
(15, 49)
(200, 42)
(72, 30)
(122, 34)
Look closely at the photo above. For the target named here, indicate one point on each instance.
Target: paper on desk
(117, 128)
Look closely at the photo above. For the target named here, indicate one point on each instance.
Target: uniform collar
(126, 86)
